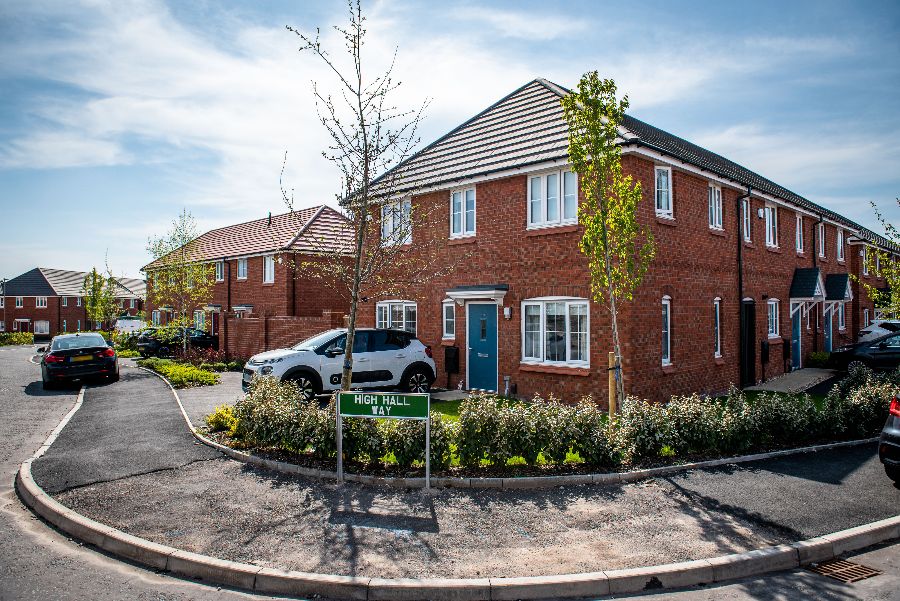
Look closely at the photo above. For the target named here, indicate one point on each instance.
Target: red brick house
(748, 279)
(261, 299)
(47, 302)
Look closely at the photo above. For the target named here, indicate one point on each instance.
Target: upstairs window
(131, 303)
(715, 207)
(19, 303)
(77, 301)
(663, 177)
(65, 301)
(2, 302)
(553, 199)
(799, 235)
(745, 205)
(396, 222)
(864, 253)
(268, 269)
(840, 245)
(242, 269)
(220, 271)
(462, 213)
(40, 302)
(771, 215)
(822, 240)
(555, 331)
(449, 313)
(396, 314)
(773, 306)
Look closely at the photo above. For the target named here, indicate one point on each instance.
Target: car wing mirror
(335, 352)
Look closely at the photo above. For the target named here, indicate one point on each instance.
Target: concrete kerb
(268, 580)
(525, 482)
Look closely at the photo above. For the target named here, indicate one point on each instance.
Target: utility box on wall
(451, 359)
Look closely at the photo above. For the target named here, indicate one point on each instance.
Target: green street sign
(384, 404)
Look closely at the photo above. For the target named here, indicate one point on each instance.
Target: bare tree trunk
(347, 371)
(610, 290)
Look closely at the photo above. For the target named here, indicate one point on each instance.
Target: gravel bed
(229, 510)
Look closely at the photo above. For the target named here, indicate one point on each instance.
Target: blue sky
(114, 115)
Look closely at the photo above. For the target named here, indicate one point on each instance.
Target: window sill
(268, 283)
(241, 279)
(665, 220)
(748, 244)
(466, 240)
(717, 232)
(562, 370)
(546, 230)
(841, 261)
(773, 249)
(719, 360)
(823, 259)
(668, 368)
(775, 339)
(448, 341)
(801, 254)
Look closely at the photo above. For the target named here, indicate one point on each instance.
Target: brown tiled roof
(314, 229)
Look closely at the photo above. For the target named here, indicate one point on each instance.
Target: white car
(877, 329)
(382, 358)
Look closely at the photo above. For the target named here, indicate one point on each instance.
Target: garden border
(269, 580)
(519, 482)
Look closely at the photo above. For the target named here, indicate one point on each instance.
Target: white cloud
(526, 25)
(60, 149)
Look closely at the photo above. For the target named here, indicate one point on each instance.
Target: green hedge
(10, 338)
(494, 431)
(179, 374)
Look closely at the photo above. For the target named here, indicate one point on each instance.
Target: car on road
(76, 357)
(889, 443)
(877, 329)
(882, 353)
(382, 358)
(163, 342)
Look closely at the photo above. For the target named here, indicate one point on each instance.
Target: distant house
(261, 299)
(47, 302)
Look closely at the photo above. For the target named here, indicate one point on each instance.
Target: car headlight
(265, 370)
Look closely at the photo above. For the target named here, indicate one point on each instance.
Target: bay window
(553, 199)
(555, 331)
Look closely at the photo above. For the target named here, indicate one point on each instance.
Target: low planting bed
(181, 375)
(16, 338)
(497, 437)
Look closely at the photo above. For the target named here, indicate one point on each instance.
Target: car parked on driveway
(157, 342)
(877, 329)
(882, 353)
(76, 357)
(889, 444)
(382, 358)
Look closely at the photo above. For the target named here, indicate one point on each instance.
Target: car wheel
(855, 364)
(307, 386)
(114, 377)
(417, 380)
(893, 472)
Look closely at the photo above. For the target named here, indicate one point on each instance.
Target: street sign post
(387, 405)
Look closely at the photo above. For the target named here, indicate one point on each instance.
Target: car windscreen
(76, 342)
(890, 326)
(315, 342)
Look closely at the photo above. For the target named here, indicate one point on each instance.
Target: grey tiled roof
(527, 127)
(836, 286)
(45, 281)
(803, 285)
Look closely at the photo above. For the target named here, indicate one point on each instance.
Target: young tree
(99, 294)
(176, 278)
(369, 135)
(618, 251)
(884, 264)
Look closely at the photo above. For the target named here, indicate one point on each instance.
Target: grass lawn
(448, 409)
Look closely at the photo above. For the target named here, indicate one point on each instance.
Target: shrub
(643, 429)
(363, 440)
(198, 356)
(217, 367)
(405, 438)
(818, 359)
(478, 423)
(222, 419)
(127, 353)
(594, 436)
(179, 374)
(12, 338)
(236, 365)
(696, 425)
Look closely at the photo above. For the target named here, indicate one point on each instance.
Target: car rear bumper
(108, 368)
(889, 443)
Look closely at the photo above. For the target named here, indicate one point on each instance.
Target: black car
(162, 343)
(881, 353)
(889, 445)
(76, 357)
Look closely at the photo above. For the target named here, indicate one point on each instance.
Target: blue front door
(795, 338)
(482, 357)
(828, 331)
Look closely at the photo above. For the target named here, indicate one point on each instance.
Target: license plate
(82, 358)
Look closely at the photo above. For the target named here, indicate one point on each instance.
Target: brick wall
(62, 319)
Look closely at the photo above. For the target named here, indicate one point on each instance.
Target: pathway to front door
(482, 343)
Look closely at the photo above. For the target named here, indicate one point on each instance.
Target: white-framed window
(745, 205)
(864, 253)
(462, 213)
(78, 326)
(865, 318)
(799, 235)
(268, 269)
(807, 320)
(773, 308)
(65, 301)
(98, 325)
(2, 302)
(877, 264)
(242, 269)
(200, 320)
(555, 331)
(154, 319)
(663, 186)
(667, 330)
(840, 245)
(842, 319)
(64, 328)
(2, 326)
(717, 326)
(132, 303)
(553, 199)
(220, 271)
(42, 326)
(40, 302)
(821, 239)
(771, 215)
(398, 314)
(77, 301)
(448, 312)
(396, 222)
(19, 303)
(715, 207)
